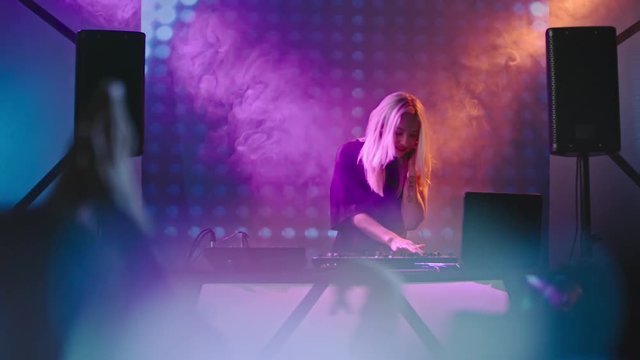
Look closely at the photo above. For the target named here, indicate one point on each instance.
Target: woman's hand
(400, 243)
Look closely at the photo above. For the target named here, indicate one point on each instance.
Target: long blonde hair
(379, 147)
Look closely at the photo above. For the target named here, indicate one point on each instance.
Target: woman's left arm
(413, 203)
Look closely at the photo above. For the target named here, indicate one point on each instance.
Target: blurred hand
(112, 137)
(400, 243)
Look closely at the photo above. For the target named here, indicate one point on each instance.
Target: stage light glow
(162, 51)
(174, 190)
(164, 33)
(242, 211)
(265, 233)
(221, 169)
(194, 231)
(357, 112)
(170, 231)
(311, 233)
(113, 14)
(357, 56)
(357, 93)
(166, 15)
(220, 191)
(196, 190)
(219, 211)
(219, 231)
(538, 8)
(195, 211)
(288, 233)
(357, 38)
(187, 15)
(172, 211)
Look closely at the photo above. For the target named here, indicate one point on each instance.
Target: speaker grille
(582, 74)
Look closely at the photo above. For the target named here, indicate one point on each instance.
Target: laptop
(501, 232)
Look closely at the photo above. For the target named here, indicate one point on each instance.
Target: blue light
(219, 211)
(164, 33)
(357, 74)
(189, 2)
(170, 231)
(194, 231)
(187, 15)
(195, 211)
(219, 231)
(519, 8)
(162, 51)
(221, 169)
(288, 233)
(166, 15)
(172, 211)
(265, 232)
(220, 191)
(311, 233)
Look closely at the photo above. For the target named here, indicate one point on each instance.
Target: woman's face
(407, 134)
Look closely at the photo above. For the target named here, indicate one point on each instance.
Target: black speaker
(582, 79)
(102, 56)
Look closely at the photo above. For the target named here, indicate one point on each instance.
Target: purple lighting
(112, 14)
(254, 97)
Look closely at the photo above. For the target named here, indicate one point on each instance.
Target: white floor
(248, 315)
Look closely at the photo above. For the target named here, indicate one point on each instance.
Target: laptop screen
(501, 231)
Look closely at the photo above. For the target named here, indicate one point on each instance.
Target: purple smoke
(256, 98)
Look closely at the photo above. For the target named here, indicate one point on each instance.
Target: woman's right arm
(376, 231)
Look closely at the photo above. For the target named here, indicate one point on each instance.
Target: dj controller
(430, 262)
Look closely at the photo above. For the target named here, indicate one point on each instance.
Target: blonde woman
(380, 182)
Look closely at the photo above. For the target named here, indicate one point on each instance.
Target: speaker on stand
(584, 109)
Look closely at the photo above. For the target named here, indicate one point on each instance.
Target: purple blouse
(350, 194)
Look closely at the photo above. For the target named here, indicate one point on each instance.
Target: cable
(245, 236)
(196, 242)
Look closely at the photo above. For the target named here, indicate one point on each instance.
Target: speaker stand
(625, 167)
(33, 194)
(586, 243)
(586, 238)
